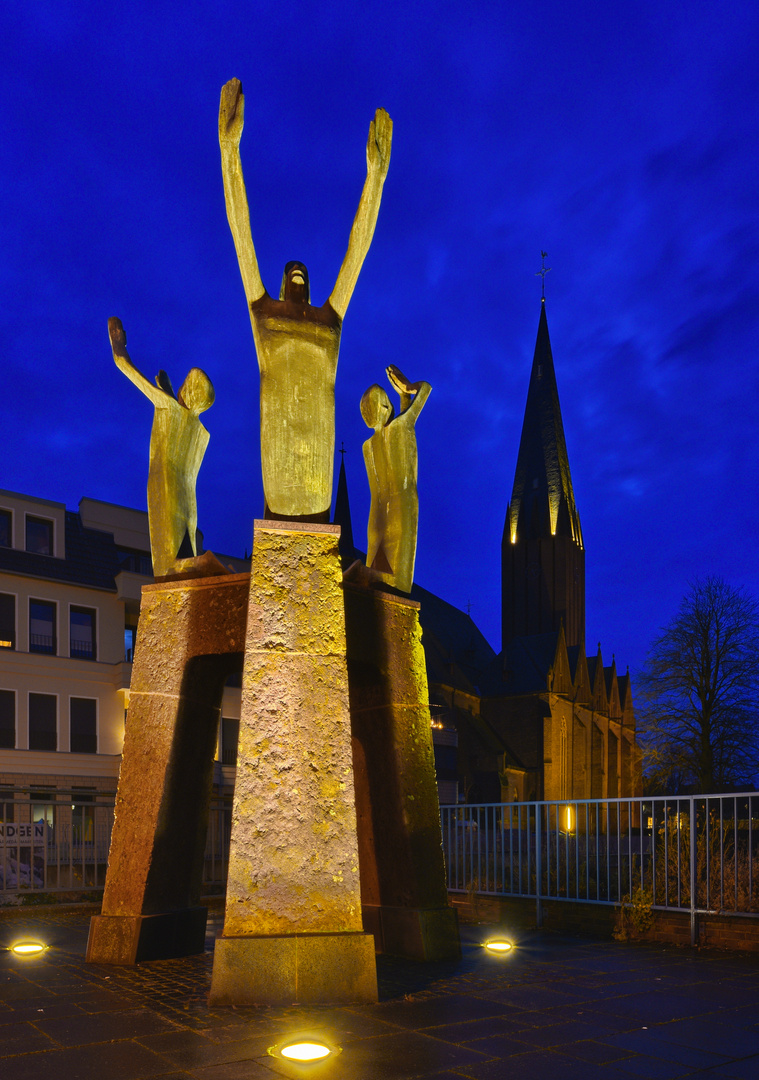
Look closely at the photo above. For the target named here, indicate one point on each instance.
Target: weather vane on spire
(542, 273)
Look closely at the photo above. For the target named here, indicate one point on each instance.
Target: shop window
(82, 816)
(7, 804)
(39, 536)
(83, 719)
(7, 719)
(42, 637)
(7, 621)
(43, 728)
(43, 805)
(82, 633)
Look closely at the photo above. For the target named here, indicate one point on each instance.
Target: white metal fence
(58, 842)
(698, 853)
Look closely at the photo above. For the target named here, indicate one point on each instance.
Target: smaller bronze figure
(178, 442)
(391, 460)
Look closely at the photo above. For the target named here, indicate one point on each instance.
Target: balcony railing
(41, 643)
(82, 650)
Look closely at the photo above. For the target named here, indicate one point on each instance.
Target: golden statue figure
(178, 442)
(297, 344)
(390, 456)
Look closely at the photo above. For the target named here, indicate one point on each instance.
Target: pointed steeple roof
(542, 499)
(342, 515)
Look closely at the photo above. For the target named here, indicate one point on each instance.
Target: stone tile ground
(558, 1007)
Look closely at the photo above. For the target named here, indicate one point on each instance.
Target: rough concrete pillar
(403, 887)
(292, 925)
(191, 636)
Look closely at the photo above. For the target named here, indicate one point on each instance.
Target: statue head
(196, 392)
(295, 283)
(376, 408)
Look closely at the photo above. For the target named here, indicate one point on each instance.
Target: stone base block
(308, 968)
(130, 939)
(416, 933)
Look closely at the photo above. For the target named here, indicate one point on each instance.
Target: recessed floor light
(499, 945)
(304, 1050)
(28, 948)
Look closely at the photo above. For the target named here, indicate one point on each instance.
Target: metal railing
(698, 853)
(82, 650)
(61, 844)
(43, 643)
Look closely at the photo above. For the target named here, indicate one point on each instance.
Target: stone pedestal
(191, 638)
(292, 926)
(403, 889)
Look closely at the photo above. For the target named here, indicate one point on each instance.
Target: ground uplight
(304, 1050)
(28, 948)
(499, 945)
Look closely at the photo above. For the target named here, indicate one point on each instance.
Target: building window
(83, 718)
(7, 719)
(230, 733)
(82, 633)
(130, 635)
(136, 562)
(42, 636)
(39, 536)
(7, 621)
(43, 729)
(6, 528)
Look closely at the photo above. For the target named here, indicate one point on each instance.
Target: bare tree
(698, 695)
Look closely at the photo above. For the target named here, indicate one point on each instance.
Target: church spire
(342, 515)
(543, 559)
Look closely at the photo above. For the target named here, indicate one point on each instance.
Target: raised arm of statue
(377, 164)
(231, 109)
(158, 391)
(413, 395)
(178, 442)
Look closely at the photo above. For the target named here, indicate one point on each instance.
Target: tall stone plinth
(292, 925)
(403, 886)
(191, 638)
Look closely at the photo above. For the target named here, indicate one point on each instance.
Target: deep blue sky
(621, 138)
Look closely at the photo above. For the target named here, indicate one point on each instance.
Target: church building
(542, 720)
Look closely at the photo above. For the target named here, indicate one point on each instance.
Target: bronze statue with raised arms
(297, 344)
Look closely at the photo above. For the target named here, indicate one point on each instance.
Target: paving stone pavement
(557, 1007)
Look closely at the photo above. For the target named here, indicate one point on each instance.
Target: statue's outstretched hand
(399, 381)
(117, 334)
(231, 109)
(379, 143)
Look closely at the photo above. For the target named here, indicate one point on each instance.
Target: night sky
(620, 138)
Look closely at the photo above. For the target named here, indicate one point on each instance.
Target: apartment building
(70, 585)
